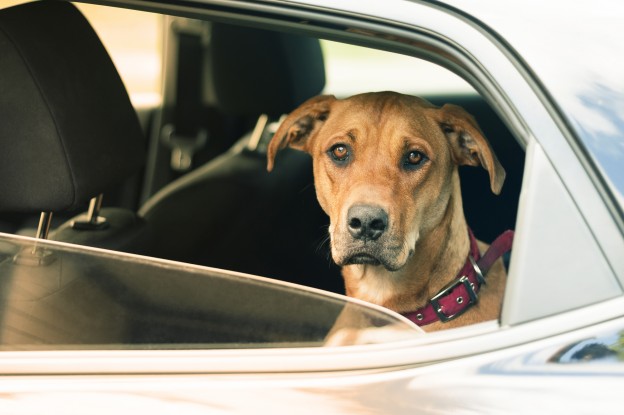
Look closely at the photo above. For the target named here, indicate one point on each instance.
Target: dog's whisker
(328, 256)
(326, 238)
(321, 245)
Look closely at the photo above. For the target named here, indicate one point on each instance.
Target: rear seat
(231, 213)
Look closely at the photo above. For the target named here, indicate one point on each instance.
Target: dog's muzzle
(368, 241)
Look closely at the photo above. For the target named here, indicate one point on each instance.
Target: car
(149, 262)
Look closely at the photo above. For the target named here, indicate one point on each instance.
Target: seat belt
(185, 135)
(177, 132)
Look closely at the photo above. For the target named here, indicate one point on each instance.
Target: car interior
(190, 183)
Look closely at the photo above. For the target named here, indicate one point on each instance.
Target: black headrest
(67, 128)
(259, 71)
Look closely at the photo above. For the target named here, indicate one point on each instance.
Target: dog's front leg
(353, 326)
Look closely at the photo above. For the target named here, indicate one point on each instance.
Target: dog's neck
(439, 255)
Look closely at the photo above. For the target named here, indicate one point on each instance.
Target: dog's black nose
(366, 222)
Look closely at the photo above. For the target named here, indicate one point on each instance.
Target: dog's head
(384, 168)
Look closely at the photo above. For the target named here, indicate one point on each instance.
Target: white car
(198, 283)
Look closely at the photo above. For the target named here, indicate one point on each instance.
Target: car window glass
(55, 297)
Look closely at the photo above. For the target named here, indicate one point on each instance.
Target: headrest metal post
(93, 220)
(256, 135)
(37, 255)
(95, 205)
(45, 220)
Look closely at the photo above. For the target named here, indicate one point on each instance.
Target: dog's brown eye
(414, 159)
(339, 152)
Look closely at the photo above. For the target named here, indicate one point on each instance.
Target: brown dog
(386, 173)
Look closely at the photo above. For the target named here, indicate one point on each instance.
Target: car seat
(69, 132)
(230, 212)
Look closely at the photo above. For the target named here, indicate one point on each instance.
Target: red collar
(461, 294)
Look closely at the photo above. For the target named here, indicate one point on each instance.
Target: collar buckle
(472, 298)
(477, 270)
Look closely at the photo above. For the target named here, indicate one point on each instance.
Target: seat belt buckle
(183, 148)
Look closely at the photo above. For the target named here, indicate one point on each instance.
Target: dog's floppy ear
(468, 144)
(300, 126)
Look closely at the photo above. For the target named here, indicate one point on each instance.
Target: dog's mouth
(362, 259)
(391, 251)
(387, 259)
